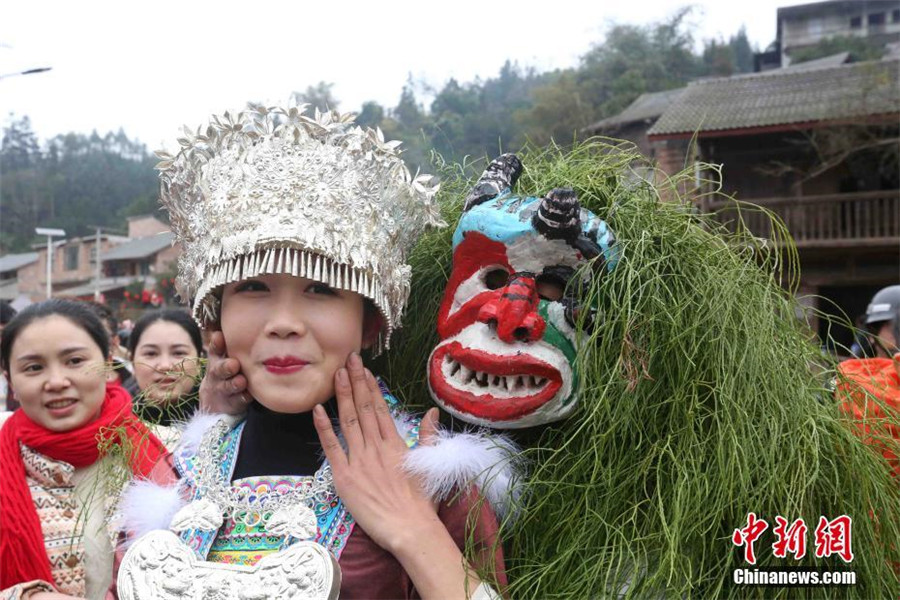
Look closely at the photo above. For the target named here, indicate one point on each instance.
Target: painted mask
(506, 356)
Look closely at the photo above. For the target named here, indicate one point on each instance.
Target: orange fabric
(879, 420)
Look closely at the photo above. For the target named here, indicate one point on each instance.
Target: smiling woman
(166, 349)
(54, 356)
(294, 232)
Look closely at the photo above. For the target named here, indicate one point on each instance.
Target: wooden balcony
(856, 220)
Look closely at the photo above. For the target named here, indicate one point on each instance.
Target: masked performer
(295, 232)
(661, 382)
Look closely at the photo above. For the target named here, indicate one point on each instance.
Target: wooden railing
(832, 221)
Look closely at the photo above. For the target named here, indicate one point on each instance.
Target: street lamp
(26, 72)
(50, 233)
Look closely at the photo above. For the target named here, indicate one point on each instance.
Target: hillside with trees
(75, 181)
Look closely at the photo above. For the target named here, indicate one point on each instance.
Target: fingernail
(355, 360)
(343, 378)
(318, 411)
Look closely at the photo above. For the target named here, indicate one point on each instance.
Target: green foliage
(721, 59)
(704, 399)
(636, 59)
(75, 182)
(317, 96)
(860, 49)
(471, 120)
(78, 180)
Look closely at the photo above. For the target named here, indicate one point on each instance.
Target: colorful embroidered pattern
(240, 544)
(236, 542)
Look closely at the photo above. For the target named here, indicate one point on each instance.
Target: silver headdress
(271, 190)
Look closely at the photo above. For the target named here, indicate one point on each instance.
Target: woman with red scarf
(54, 540)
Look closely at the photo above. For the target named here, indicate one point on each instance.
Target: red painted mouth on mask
(490, 386)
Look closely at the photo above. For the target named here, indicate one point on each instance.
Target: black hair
(106, 315)
(7, 312)
(77, 312)
(179, 317)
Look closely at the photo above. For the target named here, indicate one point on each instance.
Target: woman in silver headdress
(295, 231)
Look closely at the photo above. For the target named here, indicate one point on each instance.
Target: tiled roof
(140, 247)
(784, 97)
(835, 60)
(11, 262)
(646, 107)
(104, 285)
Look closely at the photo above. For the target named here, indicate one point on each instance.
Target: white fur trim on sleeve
(453, 461)
(146, 506)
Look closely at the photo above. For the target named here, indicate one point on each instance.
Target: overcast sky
(150, 67)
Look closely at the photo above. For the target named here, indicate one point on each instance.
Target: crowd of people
(296, 234)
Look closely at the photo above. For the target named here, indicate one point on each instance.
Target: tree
(20, 146)
(317, 96)
(76, 182)
(406, 122)
(743, 52)
(560, 109)
(371, 115)
(632, 60)
(860, 49)
(718, 59)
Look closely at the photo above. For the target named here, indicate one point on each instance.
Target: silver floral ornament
(202, 514)
(297, 521)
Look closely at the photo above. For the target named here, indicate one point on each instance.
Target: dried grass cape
(703, 398)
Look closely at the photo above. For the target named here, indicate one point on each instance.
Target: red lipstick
(284, 365)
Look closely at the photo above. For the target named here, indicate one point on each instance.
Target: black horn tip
(564, 197)
(559, 215)
(502, 173)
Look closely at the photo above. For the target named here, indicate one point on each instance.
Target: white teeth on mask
(480, 382)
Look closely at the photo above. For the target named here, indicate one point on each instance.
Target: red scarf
(23, 556)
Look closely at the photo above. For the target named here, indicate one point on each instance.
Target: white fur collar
(194, 428)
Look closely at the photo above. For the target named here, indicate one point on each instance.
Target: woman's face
(290, 335)
(165, 362)
(58, 374)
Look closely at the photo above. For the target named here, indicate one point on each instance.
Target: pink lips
(284, 365)
(61, 407)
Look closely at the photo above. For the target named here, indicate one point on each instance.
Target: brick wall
(166, 258)
(145, 225)
(30, 282)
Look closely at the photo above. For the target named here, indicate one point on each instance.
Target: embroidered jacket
(368, 570)
(74, 512)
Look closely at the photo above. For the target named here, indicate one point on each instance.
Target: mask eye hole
(496, 278)
(550, 288)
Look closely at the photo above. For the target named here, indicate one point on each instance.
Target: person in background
(118, 354)
(125, 331)
(166, 350)
(7, 402)
(869, 388)
(56, 504)
(880, 321)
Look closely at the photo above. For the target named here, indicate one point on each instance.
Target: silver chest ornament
(296, 520)
(159, 566)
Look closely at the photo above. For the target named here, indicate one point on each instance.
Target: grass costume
(701, 397)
